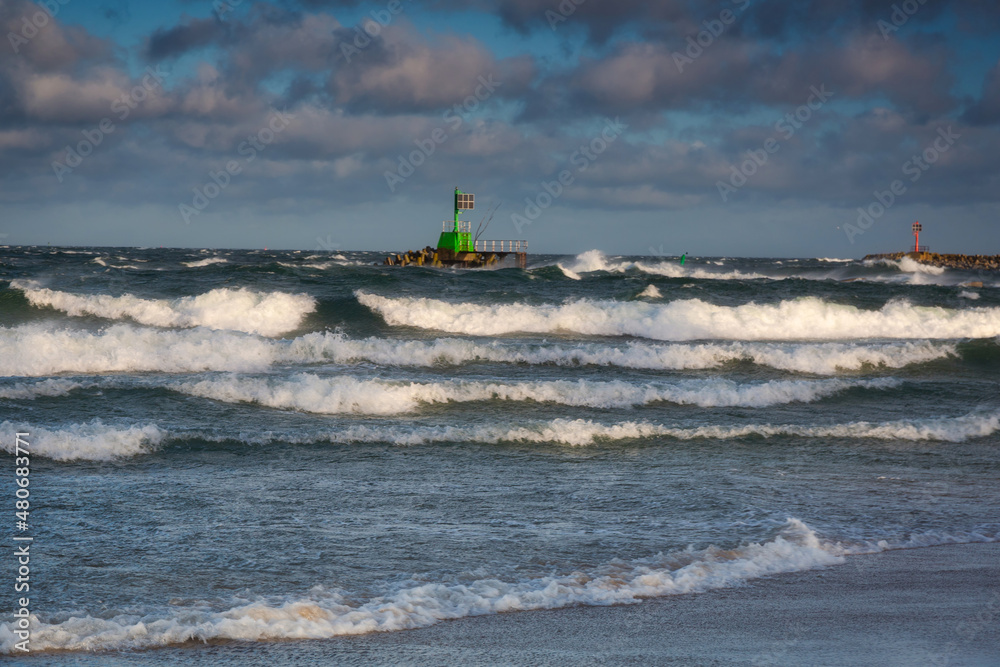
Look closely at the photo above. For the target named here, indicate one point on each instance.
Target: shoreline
(967, 262)
(923, 606)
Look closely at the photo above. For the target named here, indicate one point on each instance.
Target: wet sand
(931, 606)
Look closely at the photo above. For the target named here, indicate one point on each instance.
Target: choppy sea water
(255, 446)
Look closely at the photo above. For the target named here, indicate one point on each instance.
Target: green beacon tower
(457, 236)
(458, 248)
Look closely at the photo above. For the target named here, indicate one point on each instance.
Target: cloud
(733, 73)
(355, 113)
(407, 74)
(193, 34)
(986, 110)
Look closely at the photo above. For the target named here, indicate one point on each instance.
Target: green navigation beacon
(456, 247)
(458, 237)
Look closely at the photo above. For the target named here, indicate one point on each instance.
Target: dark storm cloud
(196, 33)
(780, 20)
(52, 47)
(396, 70)
(783, 20)
(267, 38)
(735, 73)
(411, 76)
(56, 73)
(117, 12)
(986, 110)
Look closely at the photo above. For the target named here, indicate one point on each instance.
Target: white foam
(208, 261)
(36, 349)
(651, 292)
(819, 358)
(931, 538)
(833, 259)
(32, 390)
(583, 432)
(338, 395)
(595, 260)
(265, 313)
(807, 318)
(93, 441)
(323, 615)
(910, 265)
(911, 272)
(966, 294)
(322, 266)
(98, 260)
(573, 275)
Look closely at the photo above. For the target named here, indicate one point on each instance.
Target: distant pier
(968, 262)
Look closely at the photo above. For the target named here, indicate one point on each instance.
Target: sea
(231, 450)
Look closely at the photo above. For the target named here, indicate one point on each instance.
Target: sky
(638, 127)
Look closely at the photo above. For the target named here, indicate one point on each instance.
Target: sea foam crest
(208, 261)
(323, 615)
(807, 318)
(92, 441)
(338, 395)
(26, 391)
(265, 313)
(35, 349)
(585, 432)
(907, 270)
(595, 260)
(96, 441)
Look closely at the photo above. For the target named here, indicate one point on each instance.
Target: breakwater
(972, 262)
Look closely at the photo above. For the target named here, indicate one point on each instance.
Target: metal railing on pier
(501, 246)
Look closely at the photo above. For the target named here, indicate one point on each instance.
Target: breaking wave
(265, 313)
(324, 614)
(31, 390)
(584, 432)
(208, 261)
(807, 318)
(340, 395)
(92, 441)
(99, 442)
(34, 350)
(595, 260)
